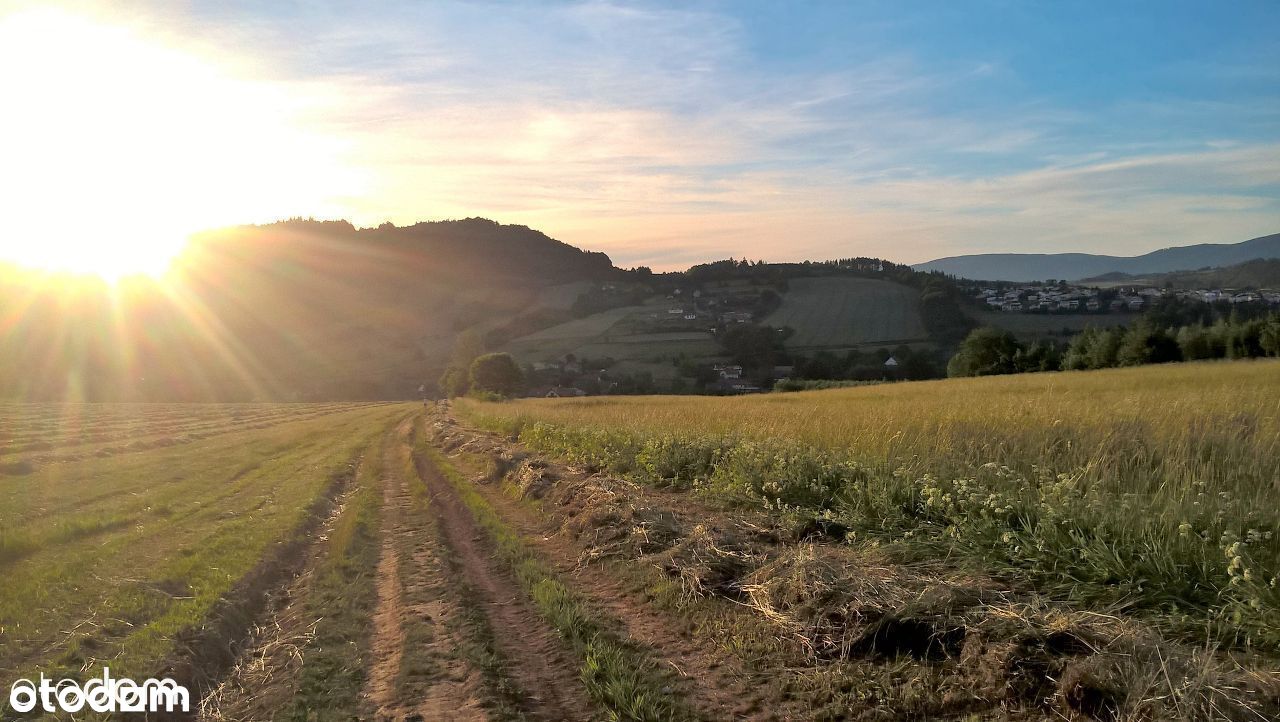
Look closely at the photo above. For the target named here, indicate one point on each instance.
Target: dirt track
(447, 553)
(440, 598)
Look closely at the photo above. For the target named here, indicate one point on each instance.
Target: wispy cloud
(661, 135)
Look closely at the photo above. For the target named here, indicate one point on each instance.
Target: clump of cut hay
(845, 602)
(625, 531)
(711, 562)
(534, 479)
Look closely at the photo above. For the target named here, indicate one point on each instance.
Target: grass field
(115, 550)
(1092, 545)
(1151, 491)
(843, 312)
(1038, 325)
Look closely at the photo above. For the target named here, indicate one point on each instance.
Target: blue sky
(669, 133)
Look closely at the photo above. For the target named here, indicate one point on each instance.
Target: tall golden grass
(1151, 488)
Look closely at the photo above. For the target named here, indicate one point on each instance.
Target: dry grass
(1152, 490)
(889, 630)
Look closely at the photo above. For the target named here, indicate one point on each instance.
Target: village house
(728, 371)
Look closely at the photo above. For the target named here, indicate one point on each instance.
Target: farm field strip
(111, 561)
(892, 618)
(80, 436)
(62, 423)
(1152, 491)
(841, 312)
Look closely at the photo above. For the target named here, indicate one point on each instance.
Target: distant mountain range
(1076, 266)
(1258, 273)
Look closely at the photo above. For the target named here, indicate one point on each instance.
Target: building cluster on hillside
(1228, 295)
(722, 306)
(1041, 298)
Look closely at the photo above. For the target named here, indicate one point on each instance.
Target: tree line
(989, 351)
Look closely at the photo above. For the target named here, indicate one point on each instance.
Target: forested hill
(474, 247)
(295, 310)
(1075, 266)
(1260, 273)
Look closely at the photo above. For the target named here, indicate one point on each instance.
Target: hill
(1074, 266)
(1258, 273)
(295, 310)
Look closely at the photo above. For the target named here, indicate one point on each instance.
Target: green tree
(985, 351)
(1270, 336)
(467, 347)
(1104, 352)
(1077, 356)
(1143, 343)
(752, 346)
(496, 373)
(454, 382)
(1195, 343)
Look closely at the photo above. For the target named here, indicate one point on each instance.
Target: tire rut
(538, 659)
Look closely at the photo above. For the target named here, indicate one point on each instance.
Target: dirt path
(451, 636)
(416, 672)
(538, 660)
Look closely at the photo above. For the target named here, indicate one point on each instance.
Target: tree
(1197, 342)
(1143, 343)
(467, 347)
(985, 352)
(454, 382)
(1043, 356)
(1077, 356)
(1270, 337)
(496, 373)
(752, 346)
(1104, 353)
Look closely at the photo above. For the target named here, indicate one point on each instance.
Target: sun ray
(117, 146)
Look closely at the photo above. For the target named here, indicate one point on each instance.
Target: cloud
(661, 135)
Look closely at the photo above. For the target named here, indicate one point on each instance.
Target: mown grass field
(842, 312)
(1150, 492)
(123, 527)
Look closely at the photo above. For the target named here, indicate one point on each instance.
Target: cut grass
(342, 598)
(617, 675)
(177, 529)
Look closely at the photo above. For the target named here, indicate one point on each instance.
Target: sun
(116, 145)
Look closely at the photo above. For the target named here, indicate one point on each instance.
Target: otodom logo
(99, 695)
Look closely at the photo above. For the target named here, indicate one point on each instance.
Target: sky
(664, 134)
